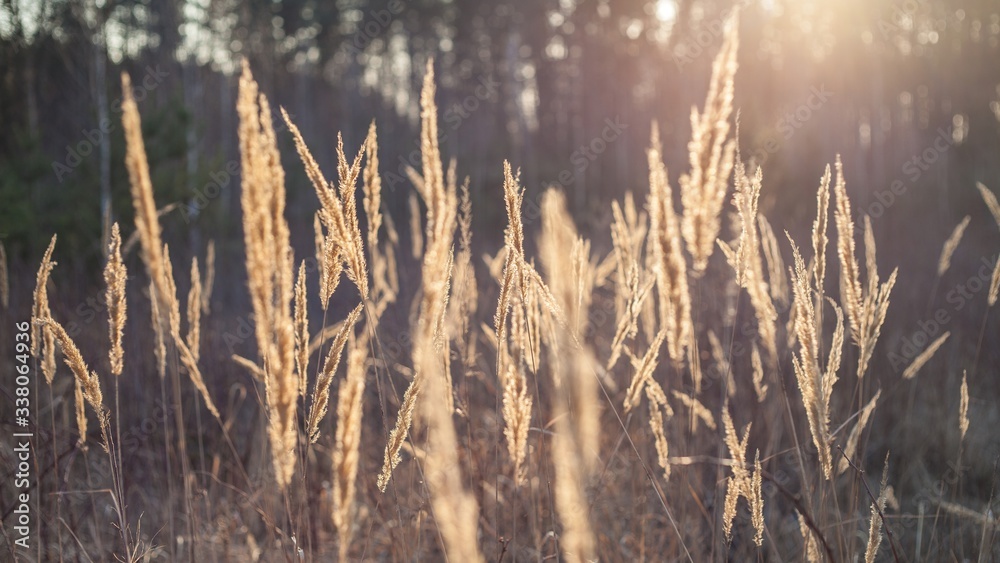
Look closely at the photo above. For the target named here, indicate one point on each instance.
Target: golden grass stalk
(372, 187)
(346, 451)
(169, 296)
(160, 350)
(301, 329)
(321, 392)
(399, 432)
(206, 290)
(571, 365)
(570, 274)
(339, 207)
(963, 407)
(643, 372)
(194, 312)
(865, 307)
(270, 269)
(875, 524)
(455, 509)
(756, 499)
(465, 295)
(577, 538)
(759, 387)
(851, 447)
(147, 220)
(188, 357)
(850, 284)
(81, 414)
(816, 385)
(256, 371)
(430, 339)
(4, 278)
(90, 386)
(991, 201)
(657, 408)
(819, 241)
(42, 338)
(698, 410)
(114, 281)
(746, 259)
(710, 151)
(669, 265)
(924, 356)
(777, 281)
(628, 319)
(810, 547)
(994, 285)
(382, 261)
(944, 262)
(416, 232)
(740, 483)
(516, 414)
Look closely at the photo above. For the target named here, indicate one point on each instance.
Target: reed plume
(746, 259)
(42, 338)
(346, 451)
(81, 414)
(865, 306)
(925, 356)
(710, 152)
(741, 482)
(193, 338)
(147, 222)
(300, 313)
(88, 381)
(698, 411)
(815, 384)
(760, 388)
(991, 298)
(669, 265)
(465, 294)
(991, 201)
(321, 392)
(851, 447)
(642, 369)
(270, 270)
(819, 241)
(944, 262)
(338, 210)
(875, 523)
(777, 280)
(114, 281)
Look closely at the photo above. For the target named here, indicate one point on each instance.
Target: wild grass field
(710, 388)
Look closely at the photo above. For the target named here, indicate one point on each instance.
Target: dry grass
(539, 452)
(114, 280)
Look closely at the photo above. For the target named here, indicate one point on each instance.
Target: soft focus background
(532, 81)
(907, 92)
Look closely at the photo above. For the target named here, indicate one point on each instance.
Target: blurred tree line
(565, 89)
